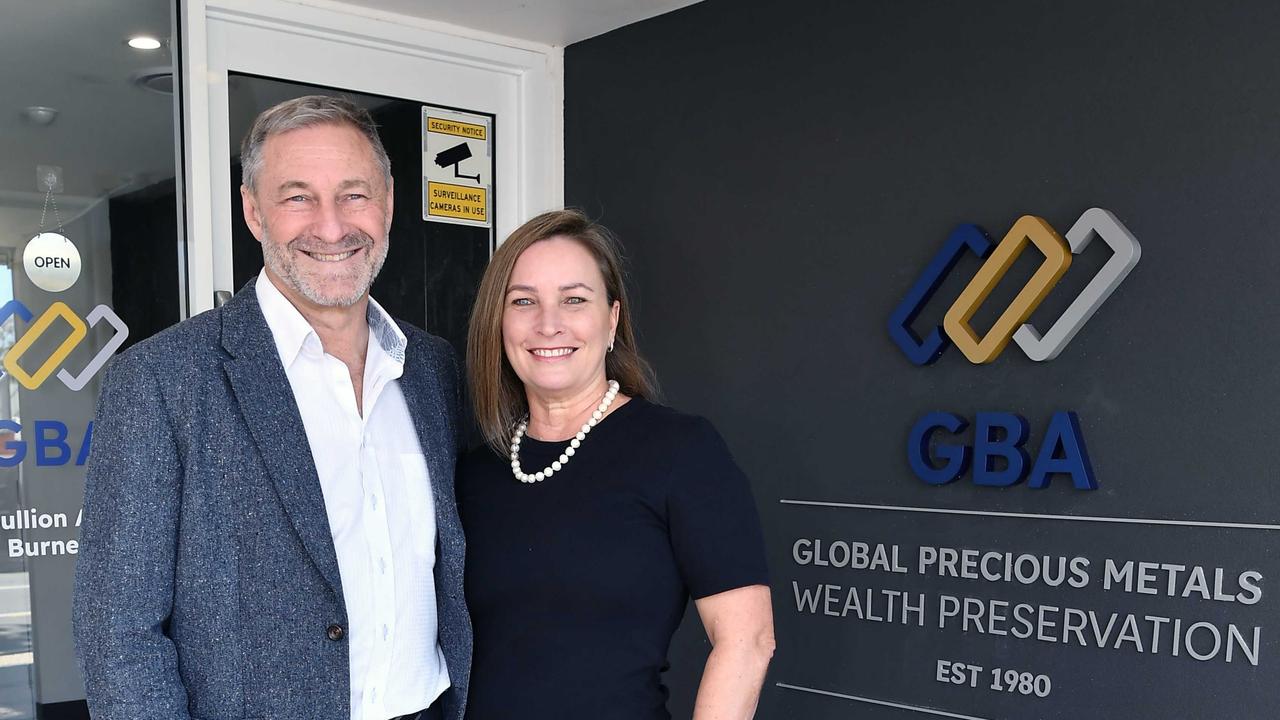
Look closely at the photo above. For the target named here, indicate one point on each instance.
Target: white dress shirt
(377, 494)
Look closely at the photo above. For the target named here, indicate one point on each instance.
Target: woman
(593, 514)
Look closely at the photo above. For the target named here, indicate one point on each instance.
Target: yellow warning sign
(457, 127)
(457, 167)
(457, 201)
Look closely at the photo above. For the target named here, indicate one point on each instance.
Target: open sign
(52, 262)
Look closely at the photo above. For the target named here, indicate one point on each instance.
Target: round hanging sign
(52, 262)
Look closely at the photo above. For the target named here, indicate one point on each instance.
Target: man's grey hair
(304, 112)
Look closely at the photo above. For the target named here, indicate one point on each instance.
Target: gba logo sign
(79, 330)
(997, 456)
(1012, 323)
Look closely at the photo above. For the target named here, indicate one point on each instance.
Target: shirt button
(335, 632)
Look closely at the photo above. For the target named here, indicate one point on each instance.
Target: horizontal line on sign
(1035, 516)
(16, 659)
(885, 703)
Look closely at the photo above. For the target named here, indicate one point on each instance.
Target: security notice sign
(457, 161)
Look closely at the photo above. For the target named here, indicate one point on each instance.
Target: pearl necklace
(596, 416)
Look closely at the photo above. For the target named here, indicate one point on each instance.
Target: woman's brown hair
(496, 392)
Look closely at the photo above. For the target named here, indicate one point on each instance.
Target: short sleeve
(714, 526)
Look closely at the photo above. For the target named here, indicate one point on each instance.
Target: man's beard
(280, 260)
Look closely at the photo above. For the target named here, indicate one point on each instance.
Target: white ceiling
(71, 55)
(109, 136)
(554, 22)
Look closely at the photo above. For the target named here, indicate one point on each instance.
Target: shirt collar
(384, 329)
(292, 332)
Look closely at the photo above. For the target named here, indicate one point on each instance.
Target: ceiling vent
(156, 79)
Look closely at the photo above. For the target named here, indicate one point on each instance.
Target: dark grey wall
(781, 172)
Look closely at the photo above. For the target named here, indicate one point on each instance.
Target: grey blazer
(207, 586)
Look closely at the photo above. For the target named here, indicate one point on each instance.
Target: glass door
(90, 254)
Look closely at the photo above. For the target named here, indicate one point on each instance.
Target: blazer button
(335, 632)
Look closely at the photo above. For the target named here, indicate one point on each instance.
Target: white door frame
(530, 165)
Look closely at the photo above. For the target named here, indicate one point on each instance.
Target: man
(270, 528)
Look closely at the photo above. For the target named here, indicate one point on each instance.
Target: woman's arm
(739, 624)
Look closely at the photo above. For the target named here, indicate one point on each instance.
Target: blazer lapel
(432, 418)
(275, 425)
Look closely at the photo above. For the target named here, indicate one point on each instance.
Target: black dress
(576, 584)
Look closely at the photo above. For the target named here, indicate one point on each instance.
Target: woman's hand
(739, 624)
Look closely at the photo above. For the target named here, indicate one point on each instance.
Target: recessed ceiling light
(142, 42)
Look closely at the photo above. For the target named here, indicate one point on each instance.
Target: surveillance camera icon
(453, 156)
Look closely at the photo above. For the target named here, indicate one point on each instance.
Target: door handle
(220, 297)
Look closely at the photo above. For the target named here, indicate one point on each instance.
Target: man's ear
(252, 216)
